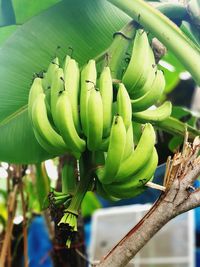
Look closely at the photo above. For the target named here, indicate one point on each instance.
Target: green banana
(136, 73)
(66, 61)
(65, 124)
(115, 151)
(101, 191)
(129, 146)
(134, 185)
(72, 79)
(88, 82)
(105, 143)
(94, 120)
(48, 76)
(46, 145)
(106, 90)
(139, 156)
(154, 115)
(56, 88)
(43, 127)
(151, 96)
(36, 89)
(138, 92)
(124, 105)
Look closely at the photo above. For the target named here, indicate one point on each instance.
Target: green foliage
(5, 32)
(24, 9)
(186, 116)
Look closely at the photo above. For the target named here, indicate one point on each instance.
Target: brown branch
(25, 238)
(181, 172)
(12, 205)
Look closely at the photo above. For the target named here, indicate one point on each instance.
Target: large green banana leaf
(14, 13)
(87, 26)
(24, 9)
(6, 31)
(18, 11)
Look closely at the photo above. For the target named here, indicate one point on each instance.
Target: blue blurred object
(198, 257)
(39, 244)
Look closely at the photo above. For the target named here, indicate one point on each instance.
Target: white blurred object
(51, 169)
(172, 246)
(3, 173)
(195, 100)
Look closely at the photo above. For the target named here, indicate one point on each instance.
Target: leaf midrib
(14, 115)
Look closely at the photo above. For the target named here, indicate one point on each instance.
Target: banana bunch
(53, 109)
(130, 169)
(123, 172)
(144, 81)
(74, 111)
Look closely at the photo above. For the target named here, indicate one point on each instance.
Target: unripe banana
(56, 88)
(104, 145)
(65, 124)
(124, 105)
(147, 86)
(139, 156)
(72, 79)
(55, 151)
(94, 120)
(137, 71)
(134, 185)
(150, 76)
(154, 115)
(101, 191)
(88, 82)
(115, 151)
(151, 96)
(129, 146)
(43, 127)
(66, 61)
(48, 105)
(36, 89)
(48, 76)
(106, 90)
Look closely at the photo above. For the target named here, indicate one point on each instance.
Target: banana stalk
(69, 219)
(174, 127)
(167, 32)
(69, 175)
(115, 55)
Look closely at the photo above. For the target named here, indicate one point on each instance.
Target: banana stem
(69, 176)
(115, 55)
(81, 190)
(174, 127)
(167, 32)
(84, 184)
